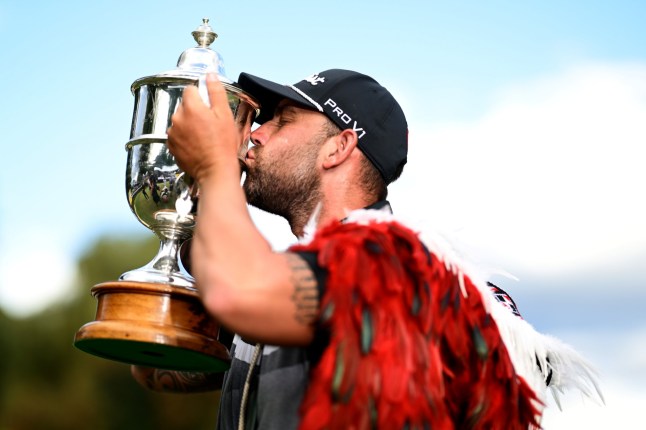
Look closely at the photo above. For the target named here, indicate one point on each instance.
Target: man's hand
(204, 139)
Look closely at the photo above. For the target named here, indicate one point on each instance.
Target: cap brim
(269, 94)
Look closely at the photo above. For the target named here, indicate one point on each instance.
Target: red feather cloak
(411, 342)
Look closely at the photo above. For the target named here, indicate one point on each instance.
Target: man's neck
(323, 214)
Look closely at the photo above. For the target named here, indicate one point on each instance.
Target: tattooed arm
(173, 381)
(278, 305)
(305, 296)
(272, 298)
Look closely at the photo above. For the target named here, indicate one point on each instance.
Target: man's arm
(173, 381)
(262, 295)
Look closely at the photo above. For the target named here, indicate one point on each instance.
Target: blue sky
(526, 133)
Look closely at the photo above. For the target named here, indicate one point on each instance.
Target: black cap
(351, 100)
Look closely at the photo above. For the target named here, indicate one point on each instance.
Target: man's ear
(338, 148)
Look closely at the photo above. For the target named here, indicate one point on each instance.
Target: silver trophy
(160, 195)
(153, 315)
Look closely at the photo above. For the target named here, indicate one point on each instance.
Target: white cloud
(33, 274)
(623, 410)
(550, 178)
(620, 358)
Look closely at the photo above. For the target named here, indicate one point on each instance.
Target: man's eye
(282, 121)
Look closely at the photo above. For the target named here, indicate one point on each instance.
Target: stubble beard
(288, 186)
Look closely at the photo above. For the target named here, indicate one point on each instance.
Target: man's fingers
(190, 94)
(218, 99)
(217, 93)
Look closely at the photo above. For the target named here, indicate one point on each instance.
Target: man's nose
(258, 136)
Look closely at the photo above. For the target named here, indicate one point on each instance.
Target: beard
(288, 185)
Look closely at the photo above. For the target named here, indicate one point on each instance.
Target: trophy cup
(153, 315)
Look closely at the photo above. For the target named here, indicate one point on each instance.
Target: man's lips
(248, 161)
(251, 156)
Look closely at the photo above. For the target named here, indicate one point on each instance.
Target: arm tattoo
(306, 295)
(183, 382)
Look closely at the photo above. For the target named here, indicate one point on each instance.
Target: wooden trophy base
(154, 325)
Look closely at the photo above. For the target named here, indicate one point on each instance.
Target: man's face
(282, 171)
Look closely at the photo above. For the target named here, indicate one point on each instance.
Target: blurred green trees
(46, 383)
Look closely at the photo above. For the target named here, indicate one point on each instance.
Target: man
(359, 325)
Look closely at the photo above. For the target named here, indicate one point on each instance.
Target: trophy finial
(204, 34)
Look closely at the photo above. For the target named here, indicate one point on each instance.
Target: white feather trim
(538, 357)
(312, 224)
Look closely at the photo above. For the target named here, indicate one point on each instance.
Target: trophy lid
(193, 62)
